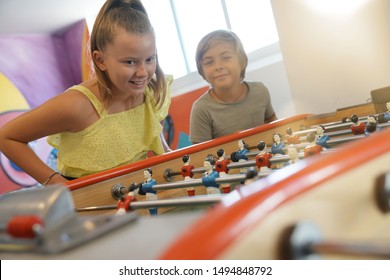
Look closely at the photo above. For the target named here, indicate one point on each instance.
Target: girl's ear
(98, 57)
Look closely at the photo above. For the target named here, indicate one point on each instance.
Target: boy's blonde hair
(131, 16)
(221, 36)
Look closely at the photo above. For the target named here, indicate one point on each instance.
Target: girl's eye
(130, 62)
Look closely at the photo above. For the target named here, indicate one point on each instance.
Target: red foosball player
(221, 166)
(263, 157)
(313, 148)
(357, 127)
(186, 172)
(292, 138)
(123, 204)
(222, 162)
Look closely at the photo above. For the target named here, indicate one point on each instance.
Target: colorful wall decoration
(178, 121)
(34, 68)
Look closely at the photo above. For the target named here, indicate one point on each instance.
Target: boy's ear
(98, 57)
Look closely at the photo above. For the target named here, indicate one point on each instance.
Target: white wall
(335, 52)
(328, 57)
(266, 65)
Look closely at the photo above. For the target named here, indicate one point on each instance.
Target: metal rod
(96, 208)
(199, 200)
(342, 126)
(198, 182)
(198, 170)
(306, 241)
(179, 184)
(177, 202)
(351, 248)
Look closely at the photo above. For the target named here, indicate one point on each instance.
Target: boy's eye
(150, 60)
(207, 62)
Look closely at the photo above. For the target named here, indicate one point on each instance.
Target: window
(179, 25)
(253, 21)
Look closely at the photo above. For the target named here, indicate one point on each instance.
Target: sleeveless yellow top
(113, 140)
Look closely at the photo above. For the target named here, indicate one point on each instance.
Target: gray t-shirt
(211, 119)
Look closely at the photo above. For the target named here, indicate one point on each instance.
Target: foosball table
(309, 186)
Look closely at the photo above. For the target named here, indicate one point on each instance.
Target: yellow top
(113, 140)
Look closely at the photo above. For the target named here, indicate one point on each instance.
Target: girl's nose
(141, 70)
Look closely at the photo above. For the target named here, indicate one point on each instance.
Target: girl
(107, 121)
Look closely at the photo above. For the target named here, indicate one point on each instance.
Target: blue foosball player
(209, 176)
(147, 189)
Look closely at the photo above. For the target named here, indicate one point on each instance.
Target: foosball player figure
(313, 148)
(221, 166)
(292, 152)
(321, 137)
(186, 172)
(385, 117)
(263, 157)
(291, 137)
(240, 154)
(371, 125)
(277, 146)
(222, 163)
(277, 149)
(357, 127)
(123, 204)
(147, 189)
(209, 176)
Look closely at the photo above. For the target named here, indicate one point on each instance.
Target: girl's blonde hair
(221, 36)
(131, 16)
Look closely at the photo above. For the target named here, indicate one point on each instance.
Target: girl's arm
(164, 143)
(62, 113)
